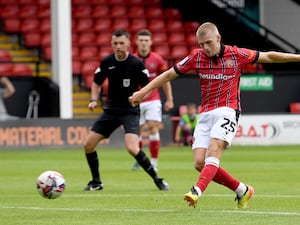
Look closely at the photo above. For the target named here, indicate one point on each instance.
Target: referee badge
(126, 82)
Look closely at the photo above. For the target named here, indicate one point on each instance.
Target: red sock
(154, 146)
(207, 174)
(141, 143)
(224, 178)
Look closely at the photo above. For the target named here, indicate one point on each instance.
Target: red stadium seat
(44, 3)
(45, 26)
(103, 25)
(7, 2)
(32, 40)
(47, 53)
(105, 51)
(252, 68)
(191, 39)
(156, 25)
(136, 12)
(137, 24)
(134, 2)
(10, 11)
(12, 25)
(159, 38)
(89, 53)
(28, 12)
(172, 13)
(97, 2)
(88, 81)
(294, 107)
(121, 24)
(88, 67)
(74, 38)
(76, 67)
(82, 11)
(85, 25)
(103, 39)
(179, 52)
(115, 2)
(44, 13)
(46, 40)
(86, 39)
(101, 11)
(153, 3)
(30, 25)
(23, 2)
(75, 53)
(163, 50)
(174, 25)
(5, 55)
(154, 13)
(176, 38)
(22, 69)
(191, 26)
(78, 2)
(6, 69)
(118, 11)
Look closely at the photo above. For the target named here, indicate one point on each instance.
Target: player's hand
(136, 98)
(92, 105)
(168, 105)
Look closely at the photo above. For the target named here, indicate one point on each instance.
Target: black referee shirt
(124, 78)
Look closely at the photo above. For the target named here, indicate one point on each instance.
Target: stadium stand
(92, 24)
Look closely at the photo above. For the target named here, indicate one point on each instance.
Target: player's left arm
(277, 57)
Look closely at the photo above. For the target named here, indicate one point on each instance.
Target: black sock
(92, 159)
(145, 163)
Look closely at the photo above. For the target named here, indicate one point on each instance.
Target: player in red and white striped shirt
(219, 69)
(151, 107)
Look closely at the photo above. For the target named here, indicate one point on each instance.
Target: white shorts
(221, 123)
(151, 110)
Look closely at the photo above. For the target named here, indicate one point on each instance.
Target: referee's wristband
(93, 100)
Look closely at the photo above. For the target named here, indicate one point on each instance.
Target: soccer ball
(51, 184)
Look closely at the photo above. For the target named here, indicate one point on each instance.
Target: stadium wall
(50, 133)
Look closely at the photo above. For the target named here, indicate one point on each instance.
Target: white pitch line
(170, 195)
(161, 195)
(153, 210)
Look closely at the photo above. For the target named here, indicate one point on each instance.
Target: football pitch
(131, 198)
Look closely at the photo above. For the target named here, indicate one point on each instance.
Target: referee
(125, 74)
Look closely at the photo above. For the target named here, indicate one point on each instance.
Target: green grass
(131, 198)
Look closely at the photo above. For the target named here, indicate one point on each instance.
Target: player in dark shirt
(125, 74)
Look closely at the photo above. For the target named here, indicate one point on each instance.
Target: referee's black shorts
(110, 120)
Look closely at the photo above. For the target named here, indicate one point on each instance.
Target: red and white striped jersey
(219, 76)
(155, 65)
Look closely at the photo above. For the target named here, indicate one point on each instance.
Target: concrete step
(9, 46)
(80, 102)
(43, 74)
(85, 116)
(81, 95)
(86, 110)
(25, 59)
(4, 39)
